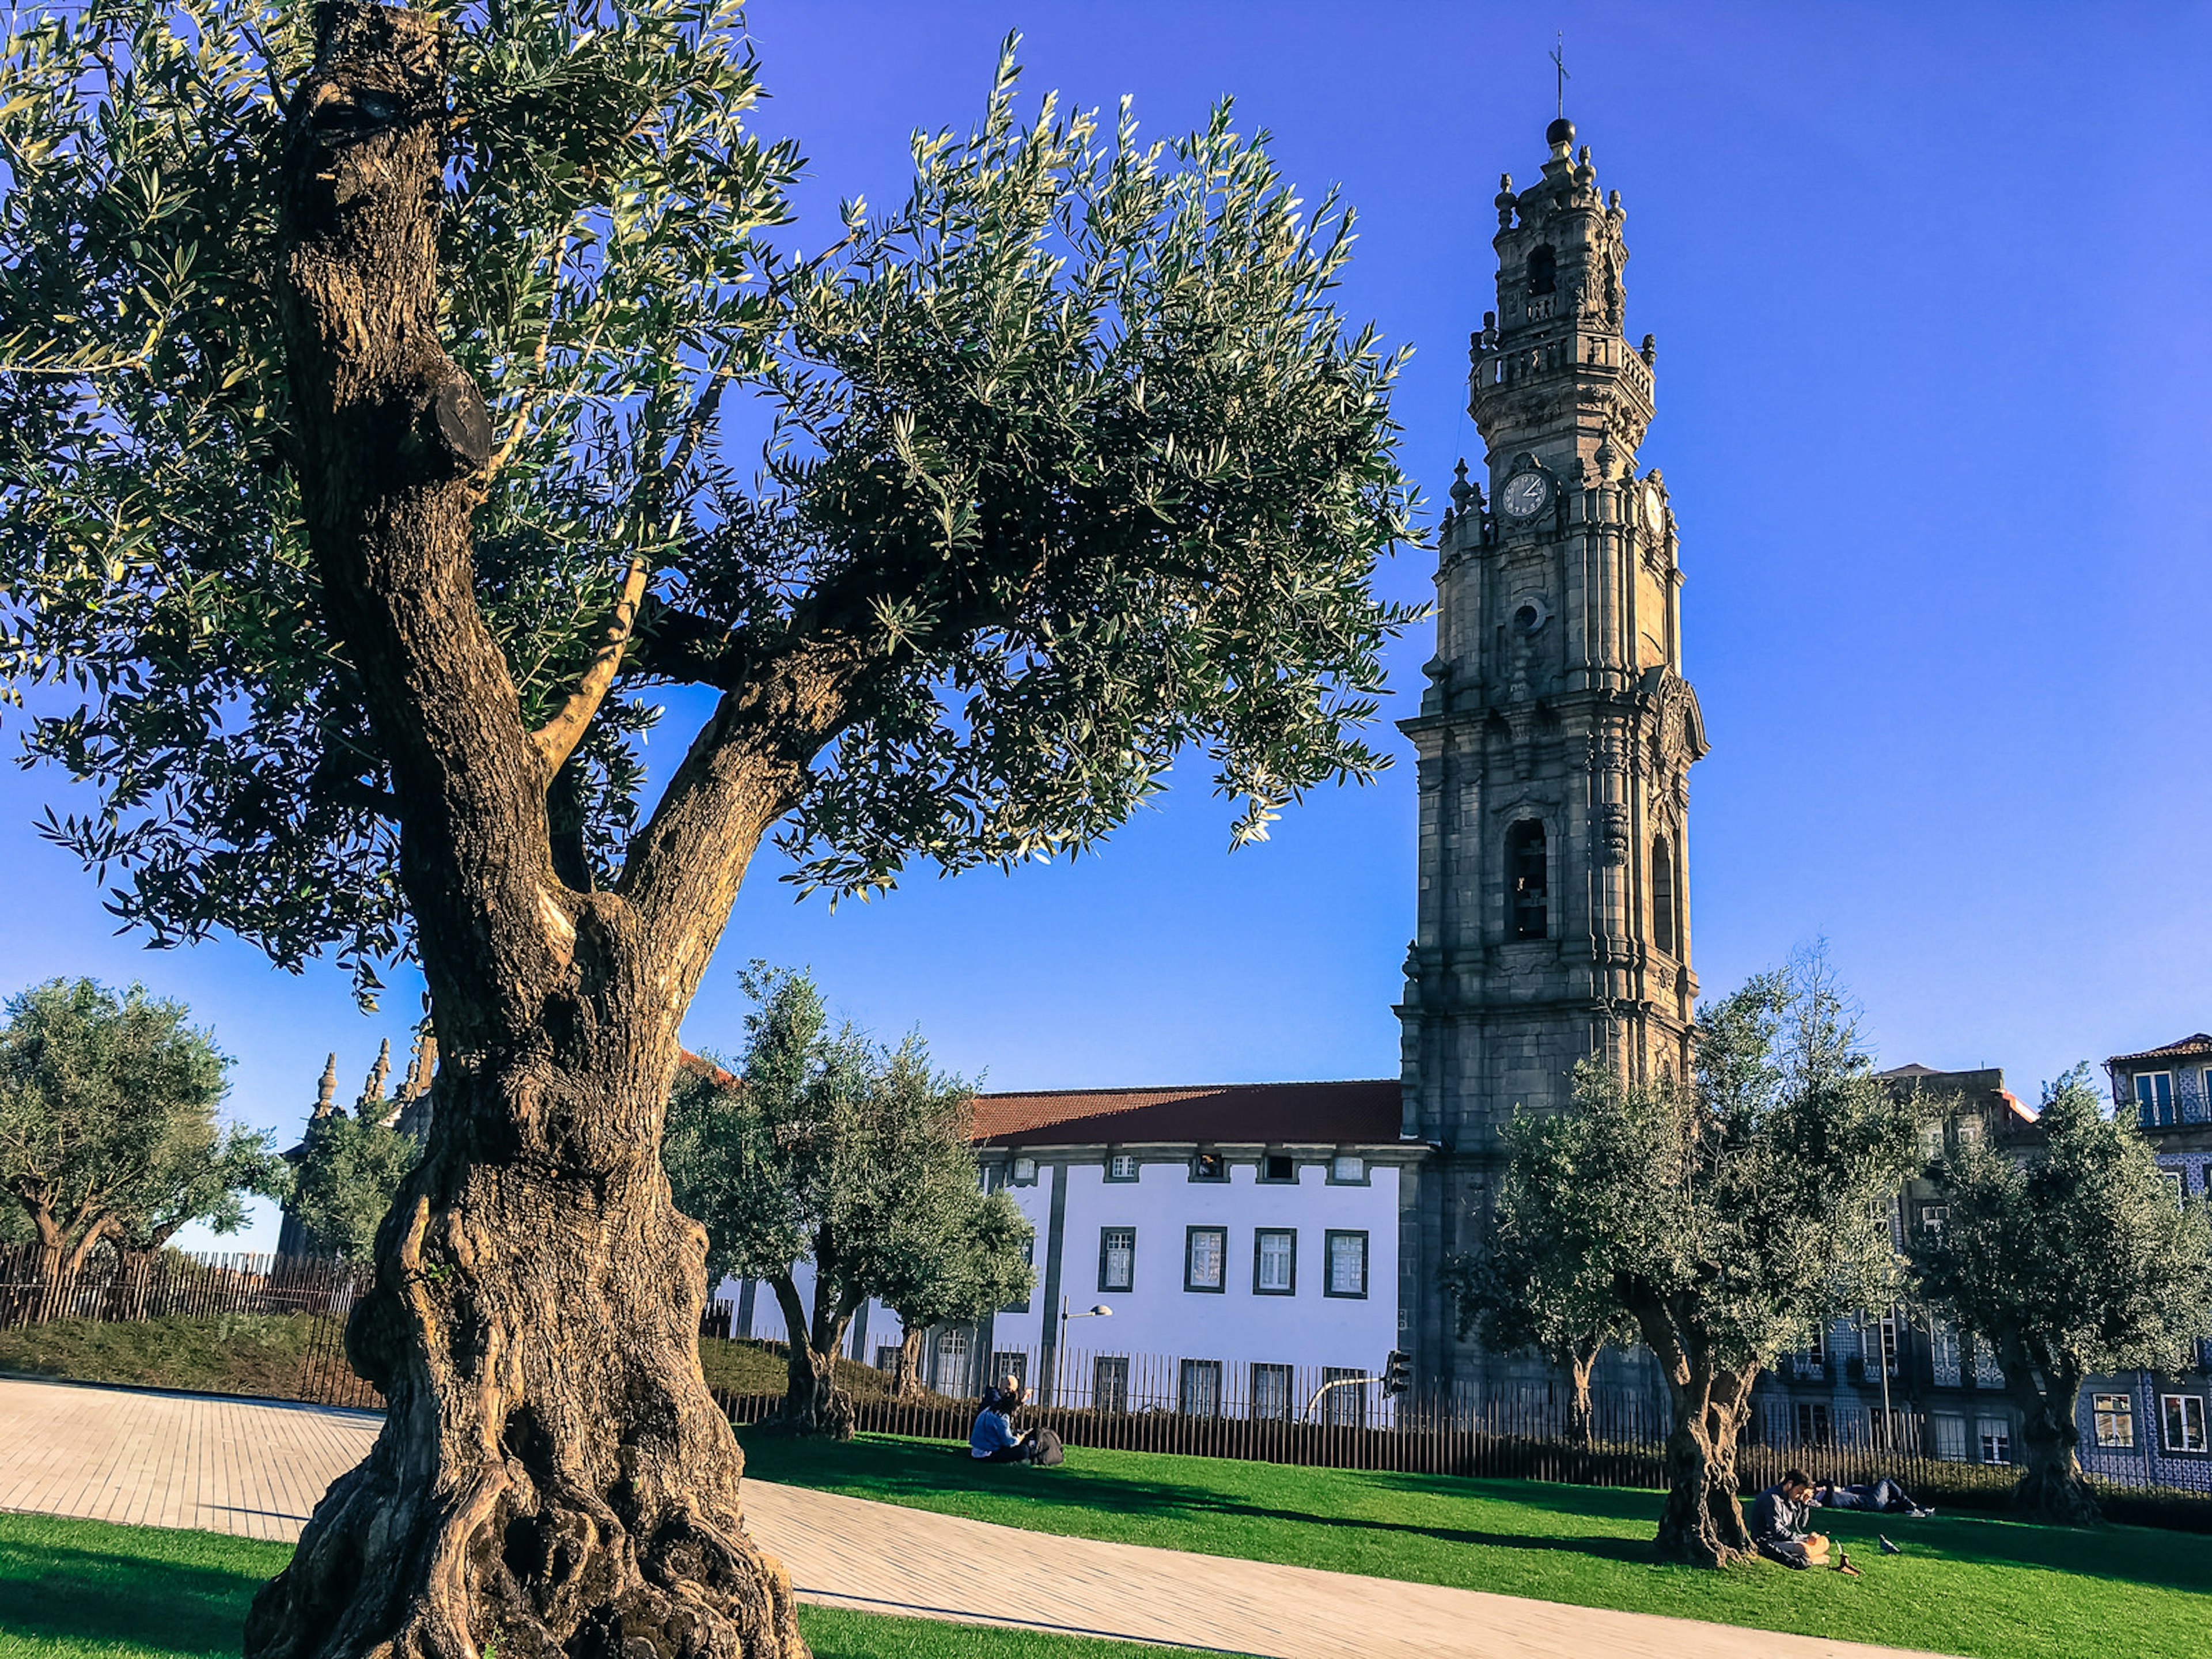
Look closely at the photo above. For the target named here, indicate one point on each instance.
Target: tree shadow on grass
(897, 1470)
(61, 1591)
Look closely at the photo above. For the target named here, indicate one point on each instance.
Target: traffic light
(1398, 1372)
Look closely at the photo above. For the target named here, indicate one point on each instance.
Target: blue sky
(1930, 292)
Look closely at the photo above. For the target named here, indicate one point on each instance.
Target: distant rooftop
(1366, 1112)
(2188, 1047)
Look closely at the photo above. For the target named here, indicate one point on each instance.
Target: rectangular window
(1345, 1407)
(1122, 1166)
(1995, 1433)
(1950, 1437)
(1813, 1428)
(1274, 1261)
(1932, 1217)
(2183, 1417)
(1347, 1264)
(1271, 1393)
(1279, 1166)
(2116, 1419)
(1348, 1170)
(1814, 1360)
(1024, 1172)
(950, 1375)
(1005, 1363)
(2178, 1180)
(1198, 1387)
(1943, 1356)
(1205, 1258)
(1209, 1166)
(1117, 1258)
(1109, 1383)
(886, 1356)
(2154, 1098)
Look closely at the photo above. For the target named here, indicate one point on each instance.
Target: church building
(1555, 738)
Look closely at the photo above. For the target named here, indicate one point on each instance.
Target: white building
(1244, 1237)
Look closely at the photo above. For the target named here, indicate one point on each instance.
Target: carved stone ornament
(1613, 832)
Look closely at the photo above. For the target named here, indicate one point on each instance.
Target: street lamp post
(1059, 1339)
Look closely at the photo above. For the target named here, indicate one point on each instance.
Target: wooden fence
(111, 1288)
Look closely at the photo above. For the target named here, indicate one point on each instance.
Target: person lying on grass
(1781, 1527)
(993, 1439)
(1883, 1496)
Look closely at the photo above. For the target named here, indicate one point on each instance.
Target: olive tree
(1527, 1289)
(2070, 1255)
(957, 1254)
(831, 1149)
(109, 1133)
(1727, 1215)
(350, 1164)
(363, 495)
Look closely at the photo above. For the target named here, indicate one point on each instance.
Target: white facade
(1157, 1310)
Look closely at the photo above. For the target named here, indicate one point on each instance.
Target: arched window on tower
(1663, 894)
(1527, 896)
(1543, 270)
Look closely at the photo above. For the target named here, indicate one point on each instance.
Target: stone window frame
(1267, 1180)
(1509, 932)
(1329, 1236)
(1257, 1235)
(1189, 1255)
(1198, 1161)
(1365, 1178)
(1104, 1235)
(1136, 1166)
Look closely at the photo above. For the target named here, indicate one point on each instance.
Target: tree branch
(556, 740)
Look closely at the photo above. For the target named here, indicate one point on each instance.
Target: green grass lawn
(83, 1590)
(1995, 1589)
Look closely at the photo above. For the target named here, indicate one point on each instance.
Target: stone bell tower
(1555, 736)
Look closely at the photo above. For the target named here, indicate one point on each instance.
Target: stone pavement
(256, 1468)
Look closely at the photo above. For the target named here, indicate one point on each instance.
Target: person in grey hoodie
(1781, 1522)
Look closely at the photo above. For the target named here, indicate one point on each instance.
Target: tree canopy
(1072, 466)
(350, 1164)
(832, 1149)
(108, 1131)
(1727, 1217)
(2071, 1255)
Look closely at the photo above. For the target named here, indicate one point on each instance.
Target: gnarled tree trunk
(813, 1401)
(1701, 1523)
(552, 1477)
(1577, 1361)
(907, 1380)
(2052, 1487)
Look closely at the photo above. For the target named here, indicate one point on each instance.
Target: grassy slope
(82, 1590)
(229, 1353)
(1995, 1590)
(261, 1354)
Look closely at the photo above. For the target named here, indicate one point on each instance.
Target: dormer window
(1543, 271)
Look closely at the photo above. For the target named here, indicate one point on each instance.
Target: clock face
(1526, 493)
(1653, 514)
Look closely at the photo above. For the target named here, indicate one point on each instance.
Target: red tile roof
(1363, 1113)
(2199, 1042)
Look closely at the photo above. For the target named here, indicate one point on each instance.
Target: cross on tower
(1560, 63)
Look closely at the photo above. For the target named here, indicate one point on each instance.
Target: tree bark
(813, 1403)
(908, 1381)
(1701, 1523)
(2053, 1486)
(1578, 1360)
(552, 1477)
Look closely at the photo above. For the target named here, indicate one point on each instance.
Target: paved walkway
(256, 1468)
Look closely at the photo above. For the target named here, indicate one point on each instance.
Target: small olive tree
(2071, 1257)
(109, 1133)
(833, 1149)
(1728, 1217)
(1529, 1289)
(958, 1255)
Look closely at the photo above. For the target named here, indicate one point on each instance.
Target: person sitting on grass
(993, 1439)
(1883, 1496)
(1780, 1525)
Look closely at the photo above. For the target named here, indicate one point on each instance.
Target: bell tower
(1555, 735)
